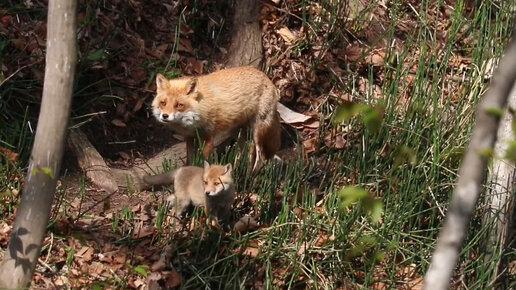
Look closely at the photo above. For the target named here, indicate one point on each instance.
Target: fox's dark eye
(217, 183)
(205, 182)
(179, 106)
(162, 103)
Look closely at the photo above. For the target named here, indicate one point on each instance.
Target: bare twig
(17, 71)
(471, 173)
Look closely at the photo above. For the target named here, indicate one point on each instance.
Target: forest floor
(405, 76)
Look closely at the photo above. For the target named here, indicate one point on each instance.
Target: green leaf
(376, 210)
(494, 111)
(372, 118)
(96, 286)
(98, 54)
(404, 155)
(486, 152)
(345, 112)
(172, 74)
(69, 255)
(510, 153)
(46, 170)
(141, 269)
(367, 242)
(377, 256)
(352, 194)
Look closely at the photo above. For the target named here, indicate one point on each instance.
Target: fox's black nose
(164, 116)
(207, 192)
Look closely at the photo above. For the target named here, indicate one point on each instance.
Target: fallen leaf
(85, 253)
(194, 66)
(152, 280)
(4, 17)
(160, 50)
(144, 231)
(376, 59)
(323, 238)
(379, 285)
(158, 265)
(4, 228)
(337, 142)
(124, 155)
(185, 46)
(309, 145)
(416, 283)
(312, 125)
(118, 123)
(120, 258)
(353, 52)
(287, 35)
(138, 105)
(138, 283)
(121, 109)
(173, 279)
(251, 252)
(290, 117)
(244, 224)
(11, 155)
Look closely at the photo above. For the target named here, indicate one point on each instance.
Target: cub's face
(175, 101)
(216, 178)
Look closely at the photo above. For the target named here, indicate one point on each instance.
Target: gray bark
(471, 173)
(499, 199)
(32, 216)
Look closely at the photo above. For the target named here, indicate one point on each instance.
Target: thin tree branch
(471, 173)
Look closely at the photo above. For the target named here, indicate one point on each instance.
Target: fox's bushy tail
(166, 178)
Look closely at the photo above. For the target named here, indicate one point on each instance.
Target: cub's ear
(191, 86)
(228, 168)
(161, 82)
(206, 164)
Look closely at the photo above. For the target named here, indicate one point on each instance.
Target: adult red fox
(218, 103)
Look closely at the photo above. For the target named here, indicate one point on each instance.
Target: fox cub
(220, 102)
(211, 187)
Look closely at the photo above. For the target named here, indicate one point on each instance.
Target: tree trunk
(471, 173)
(500, 184)
(246, 44)
(24, 247)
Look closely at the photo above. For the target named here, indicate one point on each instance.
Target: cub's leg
(178, 204)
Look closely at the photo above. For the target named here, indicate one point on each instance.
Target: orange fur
(220, 102)
(211, 187)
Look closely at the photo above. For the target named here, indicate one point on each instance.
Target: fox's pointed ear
(161, 82)
(228, 168)
(206, 164)
(191, 86)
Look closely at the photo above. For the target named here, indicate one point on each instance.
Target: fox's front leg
(189, 150)
(208, 147)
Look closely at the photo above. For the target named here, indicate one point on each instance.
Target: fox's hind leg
(256, 154)
(266, 138)
(177, 205)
